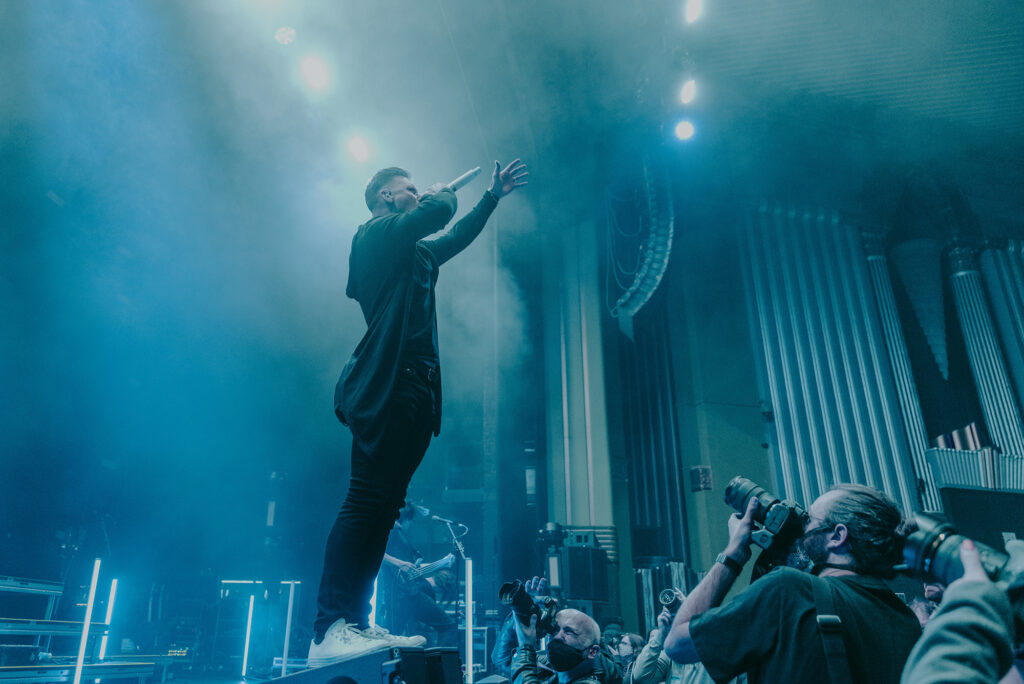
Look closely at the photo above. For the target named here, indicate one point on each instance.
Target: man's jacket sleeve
(430, 216)
(651, 665)
(968, 639)
(459, 236)
(524, 667)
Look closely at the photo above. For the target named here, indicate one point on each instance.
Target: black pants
(376, 491)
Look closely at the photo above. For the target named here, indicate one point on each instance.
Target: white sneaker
(343, 642)
(395, 639)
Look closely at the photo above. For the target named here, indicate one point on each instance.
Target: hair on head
(875, 525)
(379, 180)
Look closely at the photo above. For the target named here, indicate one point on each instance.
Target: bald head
(577, 629)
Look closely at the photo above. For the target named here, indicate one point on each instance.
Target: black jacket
(392, 262)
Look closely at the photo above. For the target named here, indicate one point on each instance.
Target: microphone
(463, 179)
(446, 521)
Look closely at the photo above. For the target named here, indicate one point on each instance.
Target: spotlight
(693, 10)
(285, 35)
(315, 73)
(684, 130)
(358, 147)
(688, 92)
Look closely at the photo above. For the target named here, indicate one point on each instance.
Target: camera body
(513, 594)
(932, 552)
(777, 523)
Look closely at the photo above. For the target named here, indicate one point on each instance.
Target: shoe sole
(322, 662)
(415, 643)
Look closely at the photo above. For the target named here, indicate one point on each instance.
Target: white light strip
(566, 461)
(85, 625)
(373, 605)
(288, 628)
(469, 621)
(248, 633)
(110, 614)
(588, 431)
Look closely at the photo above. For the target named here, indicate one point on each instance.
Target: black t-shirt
(400, 546)
(770, 631)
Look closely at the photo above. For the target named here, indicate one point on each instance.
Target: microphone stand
(468, 597)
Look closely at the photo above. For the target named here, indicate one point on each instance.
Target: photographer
(770, 630)
(506, 640)
(627, 647)
(653, 666)
(970, 636)
(571, 651)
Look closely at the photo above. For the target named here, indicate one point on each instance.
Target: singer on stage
(389, 393)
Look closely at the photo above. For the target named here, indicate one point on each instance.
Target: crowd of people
(835, 619)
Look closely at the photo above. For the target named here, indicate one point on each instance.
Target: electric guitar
(410, 580)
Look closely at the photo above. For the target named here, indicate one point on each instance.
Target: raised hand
(526, 634)
(664, 623)
(504, 181)
(433, 189)
(740, 529)
(973, 570)
(538, 586)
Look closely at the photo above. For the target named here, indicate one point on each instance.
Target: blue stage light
(685, 130)
(693, 10)
(688, 92)
(284, 35)
(359, 148)
(315, 73)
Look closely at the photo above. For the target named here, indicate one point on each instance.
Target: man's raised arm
(453, 241)
(711, 590)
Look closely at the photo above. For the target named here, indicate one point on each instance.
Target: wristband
(730, 563)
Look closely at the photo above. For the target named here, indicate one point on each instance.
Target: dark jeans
(376, 491)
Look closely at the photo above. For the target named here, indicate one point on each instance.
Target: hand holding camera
(527, 634)
(532, 611)
(664, 623)
(763, 519)
(741, 527)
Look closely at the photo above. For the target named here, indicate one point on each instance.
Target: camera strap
(831, 629)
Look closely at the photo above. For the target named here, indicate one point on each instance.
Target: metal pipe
(110, 614)
(288, 626)
(248, 635)
(85, 625)
(469, 620)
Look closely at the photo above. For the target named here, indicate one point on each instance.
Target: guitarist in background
(407, 598)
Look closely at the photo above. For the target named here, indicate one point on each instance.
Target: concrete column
(899, 358)
(580, 485)
(1002, 416)
(580, 491)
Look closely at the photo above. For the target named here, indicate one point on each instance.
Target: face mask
(562, 656)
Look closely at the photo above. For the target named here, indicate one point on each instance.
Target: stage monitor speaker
(585, 573)
(389, 666)
(443, 665)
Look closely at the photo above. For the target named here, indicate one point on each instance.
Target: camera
(777, 523)
(932, 552)
(670, 599)
(514, 595)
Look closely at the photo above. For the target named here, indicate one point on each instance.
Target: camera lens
(933, 551)
(670, 599)
(740, 490)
